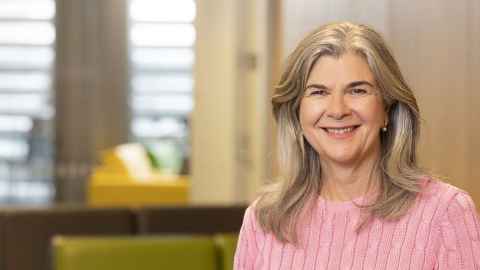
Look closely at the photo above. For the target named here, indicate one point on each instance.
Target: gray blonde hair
(281, 203)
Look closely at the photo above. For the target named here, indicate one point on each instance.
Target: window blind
(27, 36)
(161, 54)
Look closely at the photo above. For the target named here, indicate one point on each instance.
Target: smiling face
(342, 111)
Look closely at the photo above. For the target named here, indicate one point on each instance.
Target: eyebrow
(350, 85)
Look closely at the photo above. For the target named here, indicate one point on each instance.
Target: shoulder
(251, 232)
(435, 189)
(457, 228)
(442, 198)
(250, 217)
(436, 192)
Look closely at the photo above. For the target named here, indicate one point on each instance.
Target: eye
(318, 92)
(358, 91)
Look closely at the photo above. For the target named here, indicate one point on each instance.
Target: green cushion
(128, 253)
(226, 245)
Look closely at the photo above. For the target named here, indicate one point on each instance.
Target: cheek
(309, 113)
(380, 116)
(303, 115)
(372, 113)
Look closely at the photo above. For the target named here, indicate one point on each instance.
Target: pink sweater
(441, 231)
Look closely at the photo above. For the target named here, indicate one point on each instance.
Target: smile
(340, 132)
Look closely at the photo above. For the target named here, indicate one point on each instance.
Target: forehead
(332, 71)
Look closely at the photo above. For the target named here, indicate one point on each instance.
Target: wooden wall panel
(437, 45)
(437, 66)
(473, 98)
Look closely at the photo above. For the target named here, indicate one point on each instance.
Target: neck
(346, 182)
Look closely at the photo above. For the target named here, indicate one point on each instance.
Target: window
(161, 55)
(27, 36)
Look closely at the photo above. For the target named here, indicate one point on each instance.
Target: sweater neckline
(343, 205)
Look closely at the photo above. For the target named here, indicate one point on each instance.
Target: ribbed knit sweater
(441, 231)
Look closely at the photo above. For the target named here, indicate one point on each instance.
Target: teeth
(340, 130)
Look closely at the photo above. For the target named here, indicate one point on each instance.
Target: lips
(340, 132)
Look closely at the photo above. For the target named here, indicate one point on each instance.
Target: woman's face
(342, 111)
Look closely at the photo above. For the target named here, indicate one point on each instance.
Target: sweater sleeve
(460, 235)
(247, 248)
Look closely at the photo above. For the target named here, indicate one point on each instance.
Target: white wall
(230, 116)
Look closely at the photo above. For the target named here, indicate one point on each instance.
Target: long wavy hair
(300, 182)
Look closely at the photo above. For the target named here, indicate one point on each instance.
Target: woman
(351, 195)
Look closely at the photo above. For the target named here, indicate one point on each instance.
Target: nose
(337, 107)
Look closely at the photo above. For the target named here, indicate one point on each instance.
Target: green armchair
(226, 245)
(144, 253)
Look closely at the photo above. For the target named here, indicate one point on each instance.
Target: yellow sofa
(126, 178)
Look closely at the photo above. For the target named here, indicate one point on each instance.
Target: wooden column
(91, 88)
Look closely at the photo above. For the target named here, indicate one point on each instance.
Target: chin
(344, 160)
(341, 158)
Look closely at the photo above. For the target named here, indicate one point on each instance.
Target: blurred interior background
(190, 82)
